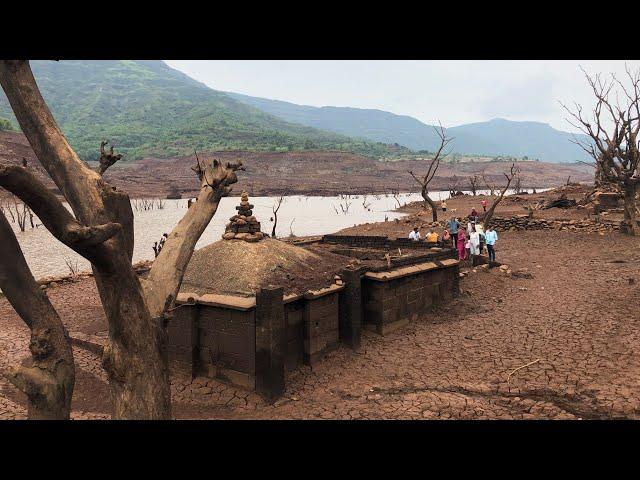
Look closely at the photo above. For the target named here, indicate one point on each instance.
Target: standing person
(461, 240)
(453, 230)
(474, 241)
(415, 234)
(491, 237)
(480, 230)
(484, 204)
(473, 216)
(443, 205)
(467, 246)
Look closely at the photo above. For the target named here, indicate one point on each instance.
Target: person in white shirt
(480, 230)
(474, 240)
(415, 235)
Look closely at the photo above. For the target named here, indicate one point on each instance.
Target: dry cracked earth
(574, 329)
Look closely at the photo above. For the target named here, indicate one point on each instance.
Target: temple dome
(242, 268)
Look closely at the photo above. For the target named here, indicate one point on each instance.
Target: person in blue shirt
(491, 236)
(453, 230)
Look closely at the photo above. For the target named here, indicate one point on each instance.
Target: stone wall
(214, 336)
(391, 299)
(523, 222)
(254, 341)
(294, 321)
(321, 321)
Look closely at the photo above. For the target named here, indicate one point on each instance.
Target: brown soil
(574, 323)
(305, 173)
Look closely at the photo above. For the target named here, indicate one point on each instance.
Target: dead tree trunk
(486, 218)
(135, 357)
(48, 382)
(424, 181)
(629, 225)
(275, 209)
(613, 142)
(473, 184)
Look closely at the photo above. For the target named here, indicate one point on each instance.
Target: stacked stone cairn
(244, 225)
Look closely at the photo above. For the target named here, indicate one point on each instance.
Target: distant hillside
(495, 137)
(148, 109)
(519, 139)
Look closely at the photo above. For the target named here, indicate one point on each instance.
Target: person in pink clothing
(462, 239)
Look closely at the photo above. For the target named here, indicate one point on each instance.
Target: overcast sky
(454, 92)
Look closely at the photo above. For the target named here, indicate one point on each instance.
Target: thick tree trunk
(134, 361)
(48, 382)
(629, 225)
(275, 223)
(135, 357)
(431, 203)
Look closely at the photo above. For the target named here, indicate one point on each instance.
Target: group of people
(468, 241)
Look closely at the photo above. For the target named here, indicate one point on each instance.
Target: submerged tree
(274, 209)
(613, 128)
(135, 357)
(488, 215)
(425, 180)
(473, 184)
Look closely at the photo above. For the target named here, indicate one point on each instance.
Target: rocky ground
(564, 343)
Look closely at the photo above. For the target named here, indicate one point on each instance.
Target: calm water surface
(298, 214)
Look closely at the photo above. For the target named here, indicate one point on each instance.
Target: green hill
(148, 109)
(495, 137)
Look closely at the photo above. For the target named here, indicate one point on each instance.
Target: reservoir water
(301, 215)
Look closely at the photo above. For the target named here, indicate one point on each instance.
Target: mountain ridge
(495, 137)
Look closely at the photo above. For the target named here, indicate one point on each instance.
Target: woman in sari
(462, 239)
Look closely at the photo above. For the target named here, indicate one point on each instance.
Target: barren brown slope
(304, 172)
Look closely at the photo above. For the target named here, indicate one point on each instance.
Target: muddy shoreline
(573, 315)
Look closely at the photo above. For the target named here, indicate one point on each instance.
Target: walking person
(443, 205)
(491, 237)
(483, 202)
(461, 240)
(453, 226)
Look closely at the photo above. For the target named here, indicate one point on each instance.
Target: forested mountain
(148, 109)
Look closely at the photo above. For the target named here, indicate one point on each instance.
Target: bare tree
(424, 181)
(473, 184)
(490, 186)
(72, 265)
(454, 186)
(102, 232)
(275, 209)
(614, 141)
(517, 184)
(486, 218)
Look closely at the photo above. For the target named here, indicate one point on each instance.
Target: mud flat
(573, 323)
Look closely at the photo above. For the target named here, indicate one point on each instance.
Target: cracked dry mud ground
(577, 317)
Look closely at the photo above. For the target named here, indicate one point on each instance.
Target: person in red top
(484, 204)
